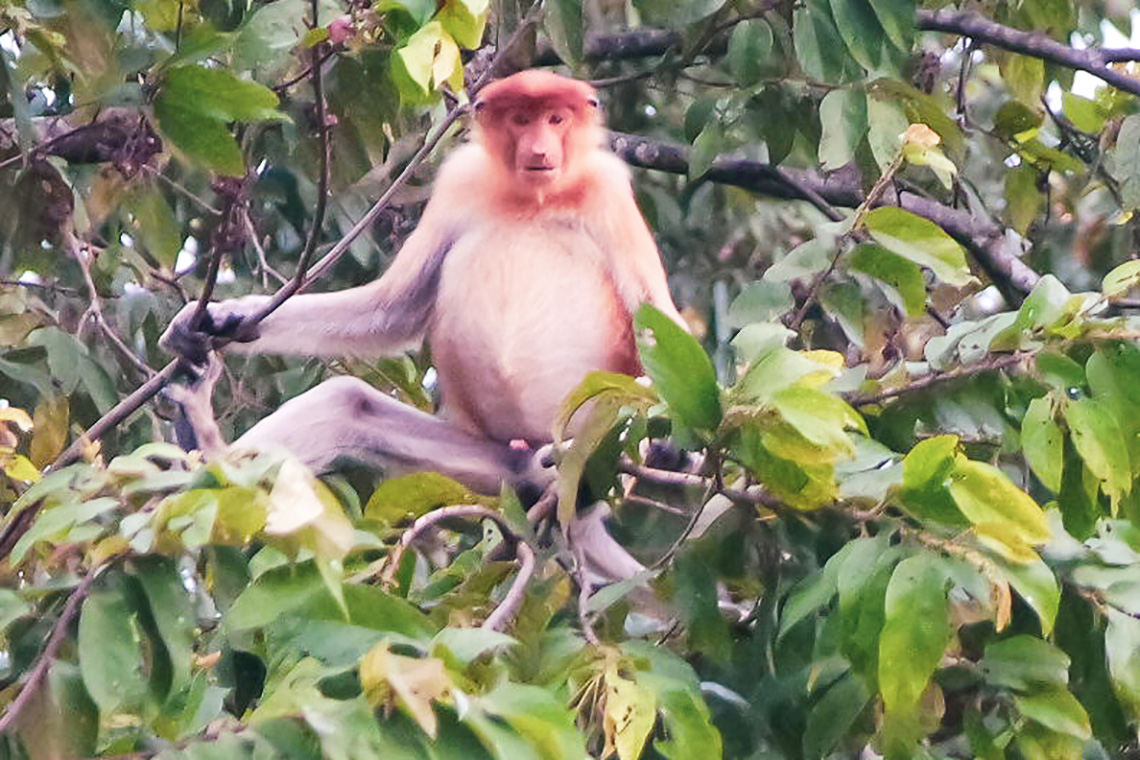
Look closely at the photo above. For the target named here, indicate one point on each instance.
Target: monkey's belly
(538, 313)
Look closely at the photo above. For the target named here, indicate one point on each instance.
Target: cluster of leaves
(914, 534)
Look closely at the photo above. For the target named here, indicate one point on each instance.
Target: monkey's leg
(347, 419)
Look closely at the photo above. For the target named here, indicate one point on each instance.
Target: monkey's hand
(222, 322)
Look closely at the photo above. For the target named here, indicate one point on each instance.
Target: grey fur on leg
(345, 418)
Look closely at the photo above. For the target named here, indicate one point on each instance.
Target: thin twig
(509, 607)
(1000, 362)
(58, 634)
(117, 414)
(428, 146)
(48, 286)
(298, 280)
(94, 312)
(181, 189)
(262, 260)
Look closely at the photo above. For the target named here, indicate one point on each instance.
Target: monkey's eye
(520, 118)
(557, 118)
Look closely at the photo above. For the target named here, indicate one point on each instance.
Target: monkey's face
(537, 144)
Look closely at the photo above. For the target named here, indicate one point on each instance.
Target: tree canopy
(899, 515)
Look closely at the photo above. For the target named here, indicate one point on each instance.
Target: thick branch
(985, 240)
(1034, 44)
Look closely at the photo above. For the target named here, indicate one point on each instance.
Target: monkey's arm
(619, 228)
(382, 318)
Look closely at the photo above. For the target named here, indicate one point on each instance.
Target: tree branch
(1095, 61)
(985, 240)
(509, 607)
(58, 634)
(991, 364)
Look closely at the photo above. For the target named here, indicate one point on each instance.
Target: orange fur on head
(538, 125)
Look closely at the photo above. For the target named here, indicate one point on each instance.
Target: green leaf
(750, 49)
(897, 19)
(1025, 663)
(815, 591)
(689, 730)
(173, 615)
(154, 220)
(902, 275)
(1024, 77)
(1023, 198)
(820, 417)
(833, 715)
(110, 651)
(887, 122)
(1086, 115)
(929, 463)
(862, 583)
(680, 370)
(538, 716)
(411, 496)
(1097, 438)
(1121, 279)
(673, 14)
(1122, 648)
(757, 339)
(564, 27)
(426, 61)
(61, 720)
(1037, 585)
(1125, 162)
(1015, 119)
(220, 95)
(1056, 709)
(761, 301)
(300, 590)
(819, 47)
(199, 138)
(780, 368)
(861, 32)
(54, 523)
(920, 241)
(843, 116)
(469, 644)
(921, 108)
(465, 21)
(12, 608)
(1043, 442)
(194, 105)
(916, 631)
(706, 147)
(800, 263)
(986, 495)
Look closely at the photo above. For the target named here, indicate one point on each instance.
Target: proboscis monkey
(529, 260)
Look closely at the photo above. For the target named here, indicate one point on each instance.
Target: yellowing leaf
(411, 683)
(986, 495)
(630, 713)
(293, 503)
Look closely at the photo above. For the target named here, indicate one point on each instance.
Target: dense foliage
(909, 521)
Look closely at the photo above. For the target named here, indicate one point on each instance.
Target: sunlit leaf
(920, 241)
